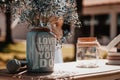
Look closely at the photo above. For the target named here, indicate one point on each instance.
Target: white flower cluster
(39, 12)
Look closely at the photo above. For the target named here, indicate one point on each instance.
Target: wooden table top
(66, 71)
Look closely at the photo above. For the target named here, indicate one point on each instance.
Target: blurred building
(101, 18)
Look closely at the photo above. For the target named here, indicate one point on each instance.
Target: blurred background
(99, 18)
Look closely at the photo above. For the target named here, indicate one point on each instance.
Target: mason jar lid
(87, 42)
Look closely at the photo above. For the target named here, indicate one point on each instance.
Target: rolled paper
(15, 65)
(114, 42)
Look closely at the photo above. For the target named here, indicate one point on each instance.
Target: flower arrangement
(45, 13)
(39, 12)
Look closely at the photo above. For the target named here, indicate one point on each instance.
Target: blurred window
(102, 25)
(86, 25)
(118, 23)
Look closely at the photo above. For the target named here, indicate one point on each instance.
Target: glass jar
(87, 52)
(40, 50)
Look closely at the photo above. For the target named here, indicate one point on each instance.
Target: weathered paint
(40, 51)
